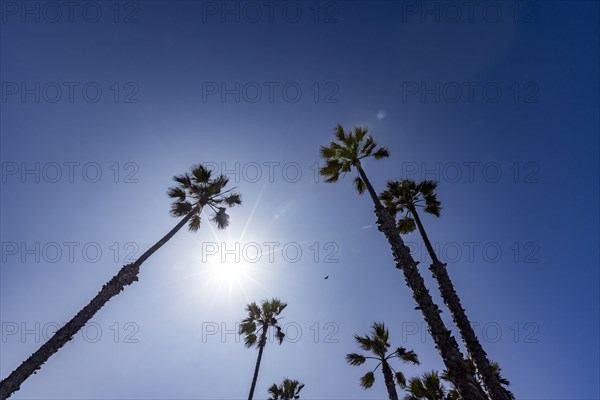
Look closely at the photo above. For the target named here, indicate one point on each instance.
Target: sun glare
(227, 265)
(228, 273)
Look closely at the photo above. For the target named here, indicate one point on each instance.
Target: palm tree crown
(260, 319)
(288, 390)
(496, 370)
(378, 344)
(346, 152)
(405, 196)
(426, 387)
(197, 189)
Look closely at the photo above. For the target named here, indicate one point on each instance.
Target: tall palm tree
(288, 390)
(193, 192)
(345, 153)
(426, 387)
(259, 320)
(378, 344)
(405, 197)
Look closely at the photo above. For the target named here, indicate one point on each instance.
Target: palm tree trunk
(446, 344)
(126, 276)
(452, 301)
(261, 347)
(389, 380)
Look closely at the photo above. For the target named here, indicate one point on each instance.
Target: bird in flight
(327, 277)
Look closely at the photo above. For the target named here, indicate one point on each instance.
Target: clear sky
(103, 102)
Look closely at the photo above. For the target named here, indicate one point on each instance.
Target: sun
(227, 273)
(227, 263)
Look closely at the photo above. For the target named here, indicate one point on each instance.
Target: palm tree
(193, 192)
(259, 320)
(288, 390)
(341, 156)
(497, 371)
(378, 344)
(426, 387)
(405, 197)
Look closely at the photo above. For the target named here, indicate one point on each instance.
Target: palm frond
(355, 359)
(368, 147)
(359, 185)
(401, 379)
(279, 334)
(416, 388)
(406, 225)
(387, 197)
(427, 187)
(275, 391)
(183, 180)
(254, 311)
(432, 206)
(219, 183)
(194, 224)
(247, 327)
(328, 151)
(221, 219)
(201, 174)
(367, 380)
(498, 372)
(232, 199)
(382, 152)
(340, 134)
(380, 331)
(407, 355)
(176, 192)
(250, 340)
(180, 208)
(277, 305)
(359, 134)
(365, 342)
(331, 170)
(297, 392)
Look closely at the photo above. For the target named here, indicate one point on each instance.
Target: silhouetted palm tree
(259, 320)
(426, 387)
(405, 197)
(194, 191)
(453, 393)
(378, 344)
(345, 153)
(288, 390)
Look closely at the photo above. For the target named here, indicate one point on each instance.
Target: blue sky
(106, 101)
